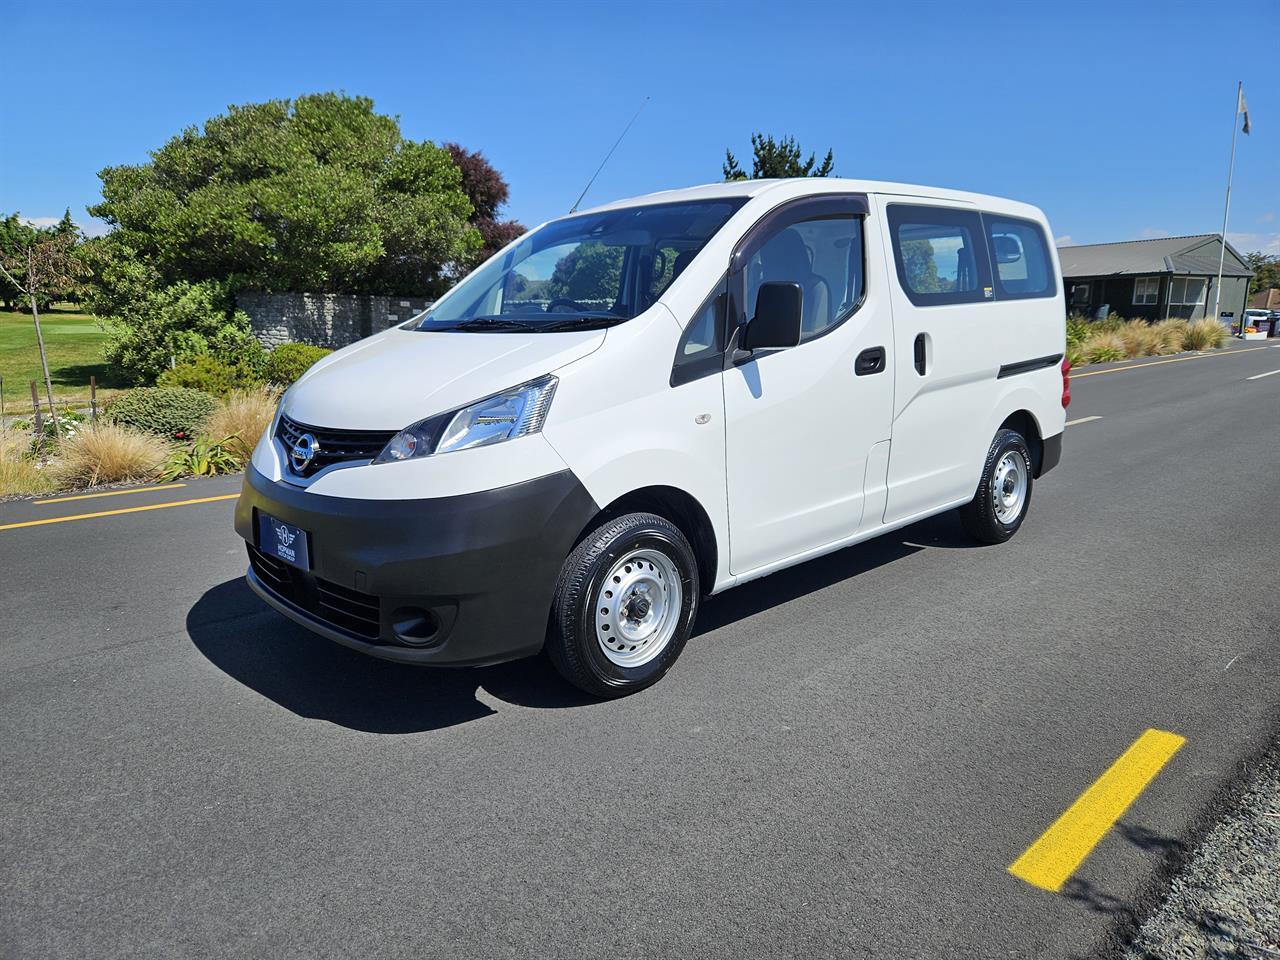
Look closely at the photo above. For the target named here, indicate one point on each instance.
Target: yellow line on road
(114, 513)
(1158, 363)
(110, 493)
(1049, 861)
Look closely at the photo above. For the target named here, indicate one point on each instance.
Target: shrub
(19, 476)
(1078, 329)
(1076, 355)
(287, 362)
(209, 374)
(109, 454)
(1140, 338)
(177, 412)
(243, 418)
(1102, 347)
(203, 458)
(1172, 334)
(1206, 334)
(150, 325)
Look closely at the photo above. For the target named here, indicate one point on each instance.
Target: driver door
(802, 421)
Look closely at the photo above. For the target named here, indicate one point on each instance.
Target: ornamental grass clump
(1172, 334)
(243, 418)
(19, 472)
(1103, 347)
(1206, 334)
(1140, 338)
(108, 453)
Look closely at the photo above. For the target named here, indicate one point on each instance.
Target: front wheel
(1004, 492)
(624, 605)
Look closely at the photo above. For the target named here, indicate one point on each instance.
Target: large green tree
(772, 159)
(315, 194)
(1266, 270)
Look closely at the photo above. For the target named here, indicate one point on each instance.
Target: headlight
(513, 413)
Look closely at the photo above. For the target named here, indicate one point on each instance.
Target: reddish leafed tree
(488, 192)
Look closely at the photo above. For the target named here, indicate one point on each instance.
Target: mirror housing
(779, 314)
(1008, 249)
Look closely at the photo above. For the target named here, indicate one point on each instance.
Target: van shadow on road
(317, 678)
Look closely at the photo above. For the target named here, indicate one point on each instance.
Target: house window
(1079, 294)
(1146, 290)
(1187, 291)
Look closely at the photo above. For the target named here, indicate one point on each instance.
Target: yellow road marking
(114, 513)
(110, 493)
(1158, 363)
(1049, 861)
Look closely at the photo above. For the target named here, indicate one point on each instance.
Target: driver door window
(824, 256)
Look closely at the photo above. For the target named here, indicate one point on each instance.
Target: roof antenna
(574, 208)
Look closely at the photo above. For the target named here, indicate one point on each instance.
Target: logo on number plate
(304, 450)
(285, 536)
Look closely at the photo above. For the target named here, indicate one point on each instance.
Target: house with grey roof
(1154, 279)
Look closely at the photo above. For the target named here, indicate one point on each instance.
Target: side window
(824, 256)
(1021, 258)
(701, 348)
(941, 255)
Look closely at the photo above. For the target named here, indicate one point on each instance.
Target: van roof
(756, 188)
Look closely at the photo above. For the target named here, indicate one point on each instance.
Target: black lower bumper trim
(1052, 453)
(479, 568)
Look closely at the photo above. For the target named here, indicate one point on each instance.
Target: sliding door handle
(919, 354)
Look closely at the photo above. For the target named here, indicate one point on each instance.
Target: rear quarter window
(1020, 255)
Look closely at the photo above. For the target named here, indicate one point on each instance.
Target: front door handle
(870, 360)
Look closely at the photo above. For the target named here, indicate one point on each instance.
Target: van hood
(399, 377)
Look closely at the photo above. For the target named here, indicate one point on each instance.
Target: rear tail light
(1066, 383)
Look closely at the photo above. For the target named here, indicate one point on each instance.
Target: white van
(633, 407)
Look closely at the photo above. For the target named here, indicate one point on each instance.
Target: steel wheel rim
(637, 608)
(1009, 487)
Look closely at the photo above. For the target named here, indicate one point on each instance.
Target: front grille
(348, 610)
(330, 446)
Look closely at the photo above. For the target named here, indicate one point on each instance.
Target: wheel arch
(677, 506)
(1025, 422)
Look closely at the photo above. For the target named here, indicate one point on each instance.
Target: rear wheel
(1004, 492)
(624, 605)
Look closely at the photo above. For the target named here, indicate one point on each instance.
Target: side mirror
(779, 313)
(1008, 249)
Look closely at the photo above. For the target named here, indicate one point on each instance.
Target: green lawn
(74, 344)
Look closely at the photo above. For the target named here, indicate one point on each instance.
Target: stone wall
(324, 319)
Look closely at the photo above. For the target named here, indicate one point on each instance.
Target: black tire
(980, 517)
(572, 640)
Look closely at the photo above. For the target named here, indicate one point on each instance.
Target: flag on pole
(1243, 107)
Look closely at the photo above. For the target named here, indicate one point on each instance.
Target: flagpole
(1226, 210)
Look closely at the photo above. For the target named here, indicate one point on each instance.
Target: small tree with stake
(47, 264)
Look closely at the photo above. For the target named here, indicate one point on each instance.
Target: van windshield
(582, 272)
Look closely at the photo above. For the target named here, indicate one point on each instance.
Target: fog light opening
(414, 626)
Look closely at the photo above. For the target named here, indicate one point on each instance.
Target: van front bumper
(456, 581)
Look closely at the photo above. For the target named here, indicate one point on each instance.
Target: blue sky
(1113, 116)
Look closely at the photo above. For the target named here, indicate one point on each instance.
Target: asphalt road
(845, 761)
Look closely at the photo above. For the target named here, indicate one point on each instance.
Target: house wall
(1116, 293)
(324, 319)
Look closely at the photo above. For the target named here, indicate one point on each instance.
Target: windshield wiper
(594, 321)
(491, 323)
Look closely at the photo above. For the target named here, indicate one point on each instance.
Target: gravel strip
(1226, 904)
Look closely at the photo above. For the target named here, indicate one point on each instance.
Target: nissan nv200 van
(634, 407)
